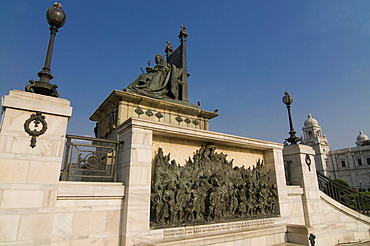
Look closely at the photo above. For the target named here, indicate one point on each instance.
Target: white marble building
(350, 164)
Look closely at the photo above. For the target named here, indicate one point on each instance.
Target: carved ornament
(37, 119)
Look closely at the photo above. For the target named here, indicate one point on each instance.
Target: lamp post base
(43, 88)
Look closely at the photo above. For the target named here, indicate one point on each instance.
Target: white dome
(310, 122)
(362, 137)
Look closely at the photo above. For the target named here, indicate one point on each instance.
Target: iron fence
(345, 195)
(288, 173)
(90, 159)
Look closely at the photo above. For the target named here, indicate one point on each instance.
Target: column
(134, 169)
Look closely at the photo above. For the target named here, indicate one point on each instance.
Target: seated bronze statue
(161, 81)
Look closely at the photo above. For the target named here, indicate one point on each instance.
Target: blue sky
(242, 57)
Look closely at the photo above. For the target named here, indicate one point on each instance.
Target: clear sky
(242, 56)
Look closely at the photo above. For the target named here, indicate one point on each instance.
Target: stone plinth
(120, 106)
(29, 176)
(303, 173)
(262, 232)
(20, 163)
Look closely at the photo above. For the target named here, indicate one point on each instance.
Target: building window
(343, 163)
(368, 161)
(359, 161)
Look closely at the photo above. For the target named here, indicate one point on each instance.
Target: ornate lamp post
(56, 18)
(288, 100)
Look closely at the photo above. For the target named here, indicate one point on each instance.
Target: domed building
(350, 164)
(362, 140)
(314, 138)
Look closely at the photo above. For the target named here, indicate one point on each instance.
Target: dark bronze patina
(56, 18)
(293, 139)
(208, 189)
(90, 159)
(308, 162)
(312, 238)
(37, 119)
(168, 79)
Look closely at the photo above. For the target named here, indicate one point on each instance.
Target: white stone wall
(88, 213)
(341, 224)
(181, 149)
(262, 232)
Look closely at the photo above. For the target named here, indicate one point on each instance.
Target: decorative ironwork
(308, 161)
(209, 189)
(196, 122)
(288, 173)
(312, 238)
(37, 119)
(345, 195)
(179, 119)
(187, 120)
(90, 159)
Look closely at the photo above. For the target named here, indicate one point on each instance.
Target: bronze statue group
(208, 189)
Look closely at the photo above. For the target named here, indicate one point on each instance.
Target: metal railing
(345, 195)
(90, 159)
(288, 173)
